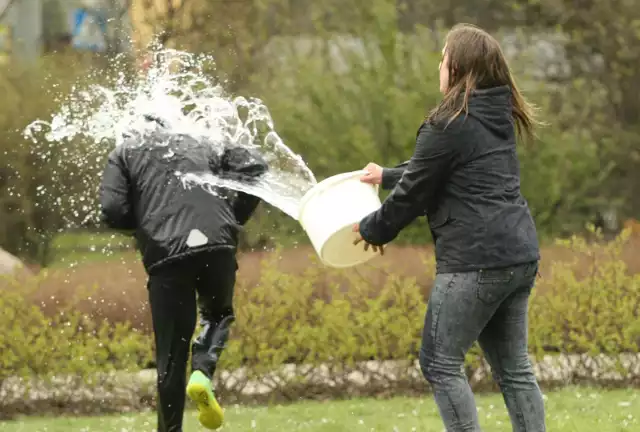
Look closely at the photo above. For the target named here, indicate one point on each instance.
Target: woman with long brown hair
(464, 175)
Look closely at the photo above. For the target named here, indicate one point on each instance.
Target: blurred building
(29, 28)
(21, 27)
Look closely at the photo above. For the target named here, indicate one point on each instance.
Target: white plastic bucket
(328, 212)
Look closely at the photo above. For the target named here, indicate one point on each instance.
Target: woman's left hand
(356, 229)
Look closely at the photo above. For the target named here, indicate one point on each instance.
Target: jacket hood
(493, 108)
(221, 158)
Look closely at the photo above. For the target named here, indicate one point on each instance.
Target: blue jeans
(489, 306)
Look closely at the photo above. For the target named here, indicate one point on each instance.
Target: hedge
(290, 341)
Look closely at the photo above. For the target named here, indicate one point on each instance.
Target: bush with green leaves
(45, 186)
(342, 100)
(349, 85)
(68, 351)
(351, 337)
(594, 313)
(584, 314)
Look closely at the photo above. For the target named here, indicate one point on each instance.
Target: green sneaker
(199, 390)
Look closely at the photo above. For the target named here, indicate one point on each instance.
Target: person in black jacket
(464, 175)
(187, 238)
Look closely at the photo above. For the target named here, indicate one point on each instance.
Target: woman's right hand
(373, 174)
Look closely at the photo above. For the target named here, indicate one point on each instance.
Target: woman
(464, 175)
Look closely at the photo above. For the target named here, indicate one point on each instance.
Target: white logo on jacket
(196, 238)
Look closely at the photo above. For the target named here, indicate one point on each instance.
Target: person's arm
(248, 166)
(244, 207)
(116, 207)
(425, 172)
(391, 176)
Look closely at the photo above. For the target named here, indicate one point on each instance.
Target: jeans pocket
(443, 283)
(493, 285)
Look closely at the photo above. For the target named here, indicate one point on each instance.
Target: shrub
(593, 320)
(285, 319)
(44, 186)
(120, 294)
(303, 330)
(68, 350)
(345, 99)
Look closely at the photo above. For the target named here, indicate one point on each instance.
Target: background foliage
(348, 83)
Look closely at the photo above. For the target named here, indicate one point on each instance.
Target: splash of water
(179, 90)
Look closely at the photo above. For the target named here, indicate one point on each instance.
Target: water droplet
(177, 94)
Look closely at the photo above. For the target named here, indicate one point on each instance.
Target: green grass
(73, 248)
(573, 409)
(87, 239)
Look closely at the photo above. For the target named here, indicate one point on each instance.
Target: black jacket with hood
(141, 192)
(466, 178)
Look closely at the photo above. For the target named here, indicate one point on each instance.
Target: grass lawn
(573, 409)
(74, 248)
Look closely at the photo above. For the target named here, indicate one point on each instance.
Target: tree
(601, 40)
(44, 186)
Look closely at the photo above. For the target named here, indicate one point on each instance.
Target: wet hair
(476, 61)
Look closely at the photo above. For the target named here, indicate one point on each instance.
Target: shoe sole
(210, 413)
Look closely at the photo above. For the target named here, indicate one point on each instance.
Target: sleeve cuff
(365, 231)
(385, 179)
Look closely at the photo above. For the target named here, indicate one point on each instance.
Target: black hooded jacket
(466, 178)
(141, 192)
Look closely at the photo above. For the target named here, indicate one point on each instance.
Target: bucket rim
(324, 184)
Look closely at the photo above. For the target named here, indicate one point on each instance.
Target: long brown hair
(476, 61)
